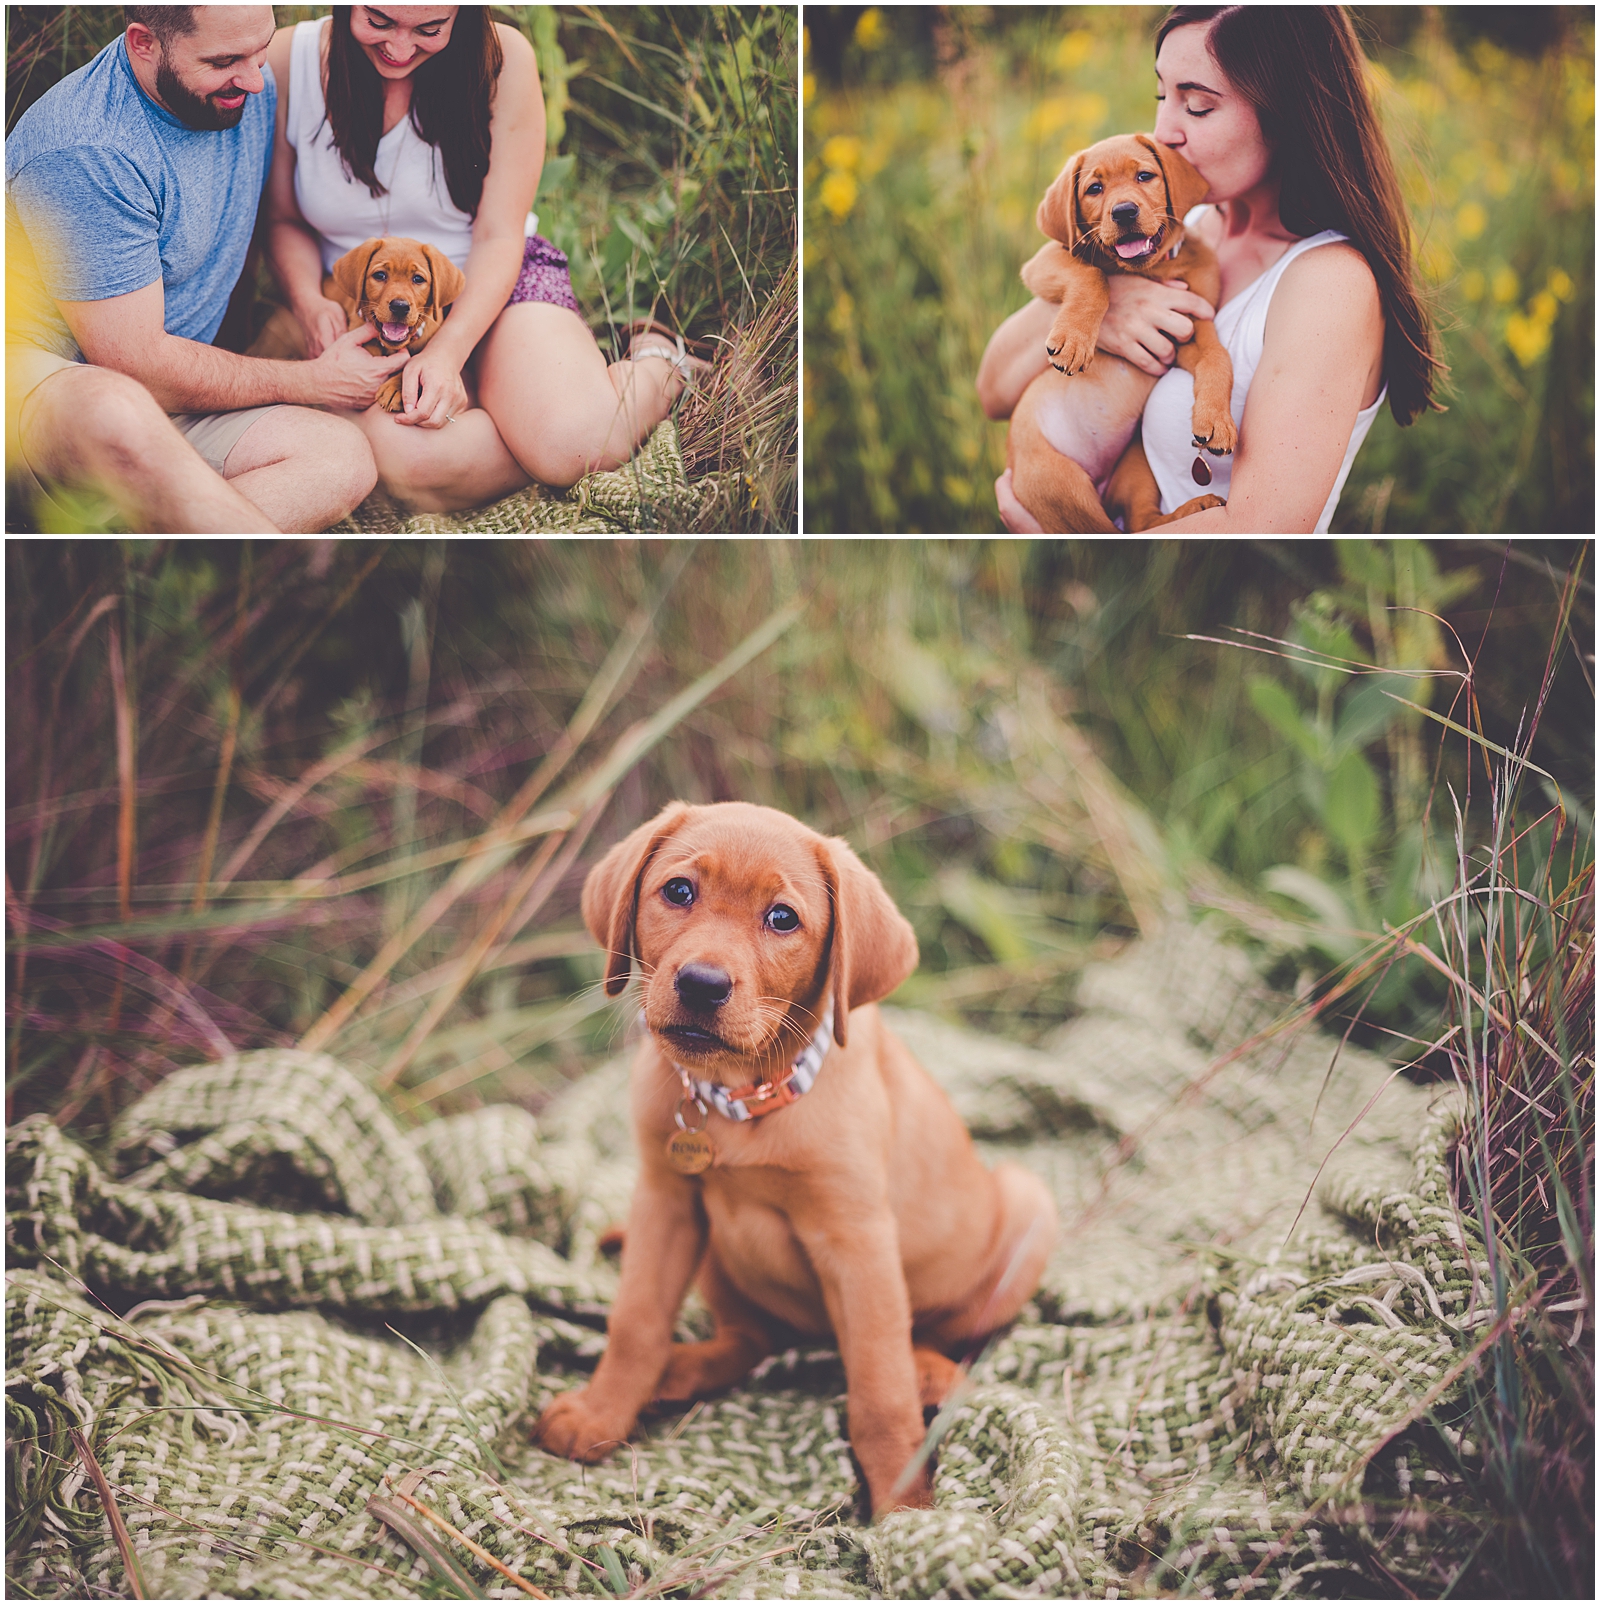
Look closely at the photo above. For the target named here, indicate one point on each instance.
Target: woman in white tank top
(512, 387)
(1323, 323)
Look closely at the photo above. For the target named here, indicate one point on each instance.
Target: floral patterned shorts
(544, 276)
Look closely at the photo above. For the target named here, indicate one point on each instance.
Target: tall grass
(1510, 929)
(930, 136)
(1518, 937)
(669, 181)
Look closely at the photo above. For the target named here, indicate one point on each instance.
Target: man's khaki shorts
(212, 434)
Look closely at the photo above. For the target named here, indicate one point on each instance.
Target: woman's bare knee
(590, 443)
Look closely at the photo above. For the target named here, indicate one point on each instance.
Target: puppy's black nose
(704, 986)
(399, 310)
(1124, 213)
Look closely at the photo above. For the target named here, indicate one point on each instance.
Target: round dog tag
(689, 1152)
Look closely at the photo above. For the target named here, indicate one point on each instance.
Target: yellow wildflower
(1047, 118)
(871, 29)
(838, 193)
(1074, 49)
(1505, 284)
(1561, 285)
(1473, 285)
(1528, 339)
(1471, 221)
(1427, 97)
(1436, 261)
(842, 153)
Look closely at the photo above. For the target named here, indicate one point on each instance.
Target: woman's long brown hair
(452, 97)
(1302, 71)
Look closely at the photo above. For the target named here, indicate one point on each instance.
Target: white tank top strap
(1241, 326)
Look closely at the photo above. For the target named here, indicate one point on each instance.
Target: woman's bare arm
(292, 249)
(516, 158)
(1321, 355)
(1014, 358)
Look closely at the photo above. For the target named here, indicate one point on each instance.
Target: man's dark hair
(165, 22)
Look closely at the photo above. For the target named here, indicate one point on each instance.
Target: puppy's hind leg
(742, 1339)
(1055, 489)
(1023, 1235)
(937, 1376)
(1134, 494)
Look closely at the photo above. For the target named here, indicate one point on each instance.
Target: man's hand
(348, 377)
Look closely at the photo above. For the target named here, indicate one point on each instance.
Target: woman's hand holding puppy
(1144, 320)
(1148, 319)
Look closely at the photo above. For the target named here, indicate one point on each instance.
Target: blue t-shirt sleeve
(92, 221)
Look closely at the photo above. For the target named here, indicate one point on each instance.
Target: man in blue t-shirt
(131, 196)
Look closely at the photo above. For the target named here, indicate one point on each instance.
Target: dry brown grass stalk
(108, 1500)
(741, 422)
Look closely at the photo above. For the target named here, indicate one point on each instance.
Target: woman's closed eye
(1192, 111)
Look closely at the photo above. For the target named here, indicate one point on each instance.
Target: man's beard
(192, 110)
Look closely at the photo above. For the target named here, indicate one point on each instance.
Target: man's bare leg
(90, 426)
(305, 469)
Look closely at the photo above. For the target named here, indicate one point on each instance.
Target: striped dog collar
(766, 1097)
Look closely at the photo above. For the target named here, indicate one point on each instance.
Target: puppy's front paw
(1195, 504)
(570, 1426)
(1069, 347)
(1216, 431)
(917, 1495)
(389, 396)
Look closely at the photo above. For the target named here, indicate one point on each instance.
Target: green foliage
(683, 123)
(1390, 848)
(921, 180)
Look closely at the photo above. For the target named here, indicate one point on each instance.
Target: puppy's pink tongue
(395, 333)
(1128, 249)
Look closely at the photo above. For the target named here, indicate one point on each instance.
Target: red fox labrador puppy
(1117, 207)
(401, 288)
(793, 1153)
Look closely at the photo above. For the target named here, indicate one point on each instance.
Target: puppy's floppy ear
(1185, 187)
(873, 947)
(448, 280)
(349, 273)
(611, 893)
(1058, 211)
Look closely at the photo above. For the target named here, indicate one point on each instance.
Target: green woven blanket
(315, 1310)
(648, 494)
